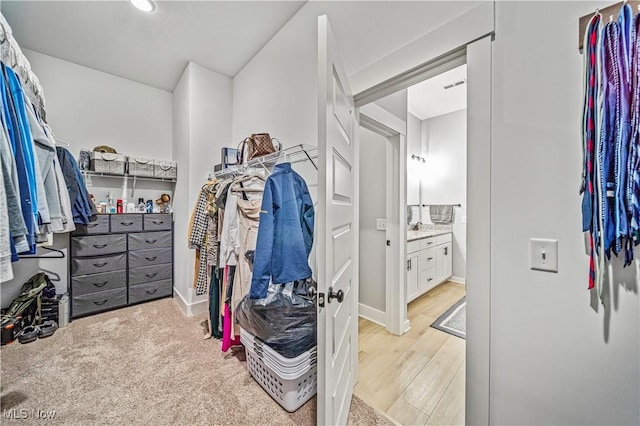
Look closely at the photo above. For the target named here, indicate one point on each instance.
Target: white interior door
(337, 236)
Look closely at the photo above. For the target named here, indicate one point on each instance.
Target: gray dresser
(120, 260)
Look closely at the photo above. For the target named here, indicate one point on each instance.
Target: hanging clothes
(84, 211)
(611, 142)
(6, 270)
(285, 234)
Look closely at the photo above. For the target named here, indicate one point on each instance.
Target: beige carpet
(142, 365)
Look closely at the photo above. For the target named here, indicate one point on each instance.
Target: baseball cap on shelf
(105, 148)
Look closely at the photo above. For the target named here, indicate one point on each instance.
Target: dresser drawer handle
(151, 291)
(100, 246)
(157, 222)
(150, 241)
(102, 284)
(430, 279)
(100, 265)
(152, 258)
(429, 258)
(151, 275)
(100, 302)
(126, 223)
(92, 225)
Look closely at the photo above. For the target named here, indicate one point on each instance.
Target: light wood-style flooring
(417, 378)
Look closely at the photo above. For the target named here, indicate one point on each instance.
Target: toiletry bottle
(149, 206)
(142, 207)
(119, 207)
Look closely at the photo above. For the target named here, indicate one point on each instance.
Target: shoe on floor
(47, 328)
(28, 334)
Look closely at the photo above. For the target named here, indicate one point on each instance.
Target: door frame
(383, 123)
(471, 35)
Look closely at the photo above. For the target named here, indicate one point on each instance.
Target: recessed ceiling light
(143, 5)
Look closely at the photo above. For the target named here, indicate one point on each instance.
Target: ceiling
(154, 48)
(430, 99)
(151, 48)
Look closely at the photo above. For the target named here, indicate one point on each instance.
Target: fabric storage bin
(85, 284)
(165, 169)
(100, 226)
(152, 273)
(100, 301)
(129, 222)
(154, 290)
(149, 240)
(139, 258)
(139, 166)
(106, 162)
(96, 265)
(98, 245)
(157, 221)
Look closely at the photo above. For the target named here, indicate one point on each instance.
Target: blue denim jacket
(285, 234)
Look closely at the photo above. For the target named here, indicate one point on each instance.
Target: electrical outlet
(543, 254)
(381, 224)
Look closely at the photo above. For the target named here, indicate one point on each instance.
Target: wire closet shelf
(303, 159)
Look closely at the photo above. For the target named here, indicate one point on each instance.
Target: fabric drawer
(100, 226)
(427, 243)
(443, 239)
(413, 246)
(98, 245)
(96, 265)
(149, 240)
(157, 222)
(140, 258)
(150, 273)
(86, 284)
(126, 222)
(100, 301)
(142, 292)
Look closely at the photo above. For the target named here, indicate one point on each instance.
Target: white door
(337, 236)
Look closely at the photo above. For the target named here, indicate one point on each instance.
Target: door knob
(339, 295)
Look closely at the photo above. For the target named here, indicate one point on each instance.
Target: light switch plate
(381, 224)
(543, 254)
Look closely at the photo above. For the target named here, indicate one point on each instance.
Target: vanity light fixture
(144, 5)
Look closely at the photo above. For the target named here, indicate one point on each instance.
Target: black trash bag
(285, 320)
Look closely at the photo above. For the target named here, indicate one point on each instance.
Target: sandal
(28, 334)
(47, 329)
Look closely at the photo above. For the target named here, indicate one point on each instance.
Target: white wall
(444, 176)
(555, 359)
(86, 108)
(414, 167)
(373, 206)
(202, 126)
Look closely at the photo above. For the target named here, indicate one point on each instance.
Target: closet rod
(607, 13)
(454, 205)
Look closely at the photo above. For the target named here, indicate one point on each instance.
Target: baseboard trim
(458, 280)
(372, 314)
(189, 309)
(406, 326)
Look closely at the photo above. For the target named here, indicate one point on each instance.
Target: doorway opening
(416, 376)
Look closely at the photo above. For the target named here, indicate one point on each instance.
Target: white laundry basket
(290, 386)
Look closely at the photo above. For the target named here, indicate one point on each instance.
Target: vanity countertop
(419, 235)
